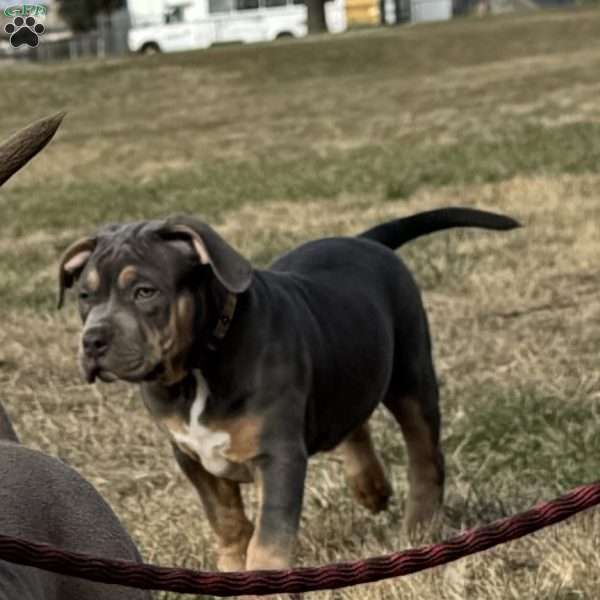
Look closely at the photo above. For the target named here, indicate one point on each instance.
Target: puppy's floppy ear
(72, 263)
(229, 267)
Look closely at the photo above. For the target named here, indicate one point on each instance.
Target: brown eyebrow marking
(126, 276)
(93, 280)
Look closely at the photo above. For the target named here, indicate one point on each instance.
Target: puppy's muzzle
(96, 342)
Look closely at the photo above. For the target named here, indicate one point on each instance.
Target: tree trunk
(316, 16)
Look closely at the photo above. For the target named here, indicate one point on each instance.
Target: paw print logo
(24, 31)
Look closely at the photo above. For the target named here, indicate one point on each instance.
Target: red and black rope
(305, 579)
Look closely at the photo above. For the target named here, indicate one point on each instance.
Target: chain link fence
(109, 39)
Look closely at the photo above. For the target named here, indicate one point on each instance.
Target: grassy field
(282, 143)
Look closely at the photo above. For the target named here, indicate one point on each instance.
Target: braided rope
(306, 579)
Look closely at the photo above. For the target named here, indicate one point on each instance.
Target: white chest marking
(208, 445)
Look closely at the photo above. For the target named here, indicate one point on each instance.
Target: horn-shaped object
(25, 144)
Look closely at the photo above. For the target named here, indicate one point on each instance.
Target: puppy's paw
(231, 562)
(423, 518)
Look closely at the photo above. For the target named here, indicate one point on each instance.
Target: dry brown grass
(513, 311)
(515, 316)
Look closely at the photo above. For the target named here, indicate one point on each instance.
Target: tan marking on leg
(364, 470)
(126, 276)
(244, 435)
(232, 527)
(224, 508)
(92, 280)
(172, 425)
(425, 466)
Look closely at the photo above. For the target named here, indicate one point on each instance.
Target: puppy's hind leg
(419, 418)
(364, 470)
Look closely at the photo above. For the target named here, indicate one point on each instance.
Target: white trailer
(173, 25)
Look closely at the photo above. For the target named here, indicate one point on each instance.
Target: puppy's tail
(394, 234)
(7, 433)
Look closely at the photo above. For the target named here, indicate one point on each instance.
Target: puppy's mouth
(105, 376)
(93, 370)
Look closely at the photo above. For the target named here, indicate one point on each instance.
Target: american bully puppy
(250, 372)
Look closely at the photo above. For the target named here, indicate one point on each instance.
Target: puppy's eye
(83, 295)
(145, 293)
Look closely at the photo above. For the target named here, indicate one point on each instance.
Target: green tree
(81, 15)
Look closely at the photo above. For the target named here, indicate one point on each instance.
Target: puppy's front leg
(225, 510)
(279, 475)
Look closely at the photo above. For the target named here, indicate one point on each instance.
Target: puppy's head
(145, 290)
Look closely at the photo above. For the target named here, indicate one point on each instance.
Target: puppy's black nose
(95, 342)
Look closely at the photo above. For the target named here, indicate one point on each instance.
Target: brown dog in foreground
(44, 500)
